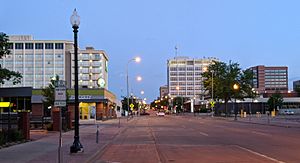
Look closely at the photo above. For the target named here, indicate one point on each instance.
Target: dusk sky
(253, 32)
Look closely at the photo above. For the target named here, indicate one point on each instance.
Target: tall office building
(37, 60)
(270, 79)
(92, 68)
(184, 76)
(40, 60)
(296, 85)
(163, 91)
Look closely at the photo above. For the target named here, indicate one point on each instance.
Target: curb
(266, 124)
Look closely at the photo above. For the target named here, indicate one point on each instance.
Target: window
(97, 56)
(39, 46)
(48, 45)
(173, 69)
(59, 46)
(190, 63)
(190, 69)
(190, 74)
(181, 68)
(28, 45)
(19, 46)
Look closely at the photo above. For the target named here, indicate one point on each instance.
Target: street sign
(60, 103)
(212, 104)
(60, 83)
(131, 106)
(60, 93)
(118, 114)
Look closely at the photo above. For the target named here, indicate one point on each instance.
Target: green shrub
(16, 135)
(203, 110)
(12, 136)
(49, 127)
(2, 138)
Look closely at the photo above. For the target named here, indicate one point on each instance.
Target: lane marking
(259, 154)
(260, 133)
(203, 133)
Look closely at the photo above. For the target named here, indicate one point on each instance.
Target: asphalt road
(191, 139)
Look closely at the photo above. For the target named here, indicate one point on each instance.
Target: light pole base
(76, 147)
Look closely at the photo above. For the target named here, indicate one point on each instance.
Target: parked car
(288, 112)
(160, 114)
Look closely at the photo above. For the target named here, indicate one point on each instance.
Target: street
(200, 139)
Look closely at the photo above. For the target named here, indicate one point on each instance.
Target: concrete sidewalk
(280, 121)
(45, 148)
(272, 121)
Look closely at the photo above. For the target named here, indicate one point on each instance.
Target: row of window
(275, 83)
(185, 73)
(268, 80)
(37, 45)
(275, 86)
(185, 78)
(275, 71)
(185, 68)
(88, 63)
(276, 77)
(85, 56)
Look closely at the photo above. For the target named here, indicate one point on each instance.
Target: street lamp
(139, 78)
(212, 92)
(77, 146)
(136, 59)
(236, 88)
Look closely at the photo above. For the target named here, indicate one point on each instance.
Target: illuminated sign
(4, 104)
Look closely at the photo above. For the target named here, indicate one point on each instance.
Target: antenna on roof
(176, 48)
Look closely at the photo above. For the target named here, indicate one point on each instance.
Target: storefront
(19, 98)
(97, 104)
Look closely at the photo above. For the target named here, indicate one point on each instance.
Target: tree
(5, 74)
(275, 100)
(132, 100)
(178, 103)
(223, 76)
(49, 92)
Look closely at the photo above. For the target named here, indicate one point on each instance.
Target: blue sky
(250, 32)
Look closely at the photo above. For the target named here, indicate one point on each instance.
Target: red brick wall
(71, 109)
(37, 110)
(56, 120)
(99, 111)
(24, 124)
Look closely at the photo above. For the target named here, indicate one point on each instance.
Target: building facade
(296, 85)
(270, 79)
(40, 60)
(163, 91)
(37, 60)
(92, 68)
(184, 76)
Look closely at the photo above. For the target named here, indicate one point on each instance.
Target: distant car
(144, 113)
(288, 112)
(160, 114)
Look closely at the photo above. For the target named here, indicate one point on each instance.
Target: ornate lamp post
(212, 92)
(236, 87)
(76, 147)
